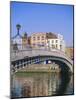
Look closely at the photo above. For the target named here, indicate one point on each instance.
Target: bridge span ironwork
(23, 58)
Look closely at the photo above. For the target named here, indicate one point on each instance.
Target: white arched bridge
(22, 58)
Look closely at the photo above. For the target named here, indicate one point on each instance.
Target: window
(38, 38)
(43, 43)
(56, 41)
(34, 44)
(60, 47)
(42, 37)
(56, 46)
(33, 38)
(53, 46)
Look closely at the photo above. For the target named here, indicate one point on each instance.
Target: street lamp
(18, 26)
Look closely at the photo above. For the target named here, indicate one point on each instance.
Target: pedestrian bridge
(22, 58)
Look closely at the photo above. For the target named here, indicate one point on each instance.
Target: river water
(41, 84)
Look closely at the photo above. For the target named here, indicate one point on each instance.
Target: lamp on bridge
(18, 26)
(17, 39)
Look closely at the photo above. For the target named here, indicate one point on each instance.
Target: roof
(51, 35)
(38, 33)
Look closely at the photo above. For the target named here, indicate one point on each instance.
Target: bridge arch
(26, 57)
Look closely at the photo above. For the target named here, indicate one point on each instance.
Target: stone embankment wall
(41, 68)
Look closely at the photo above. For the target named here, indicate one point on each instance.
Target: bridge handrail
(20, 53)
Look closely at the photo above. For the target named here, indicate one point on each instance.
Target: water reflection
(40, 84)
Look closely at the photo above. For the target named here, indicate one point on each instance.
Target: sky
(35, 17)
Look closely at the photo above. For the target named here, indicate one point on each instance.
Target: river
(41, 84)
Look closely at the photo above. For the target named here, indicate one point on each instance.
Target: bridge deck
(30, 53)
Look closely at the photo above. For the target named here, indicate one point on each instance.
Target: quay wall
(41, 68)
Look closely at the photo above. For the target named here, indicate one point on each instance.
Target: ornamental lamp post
(18, 26)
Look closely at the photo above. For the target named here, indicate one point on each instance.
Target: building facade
(38, 40)
(16, 43)
(48, 40)
(21, 42)
(24, 40)
(56, 42)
